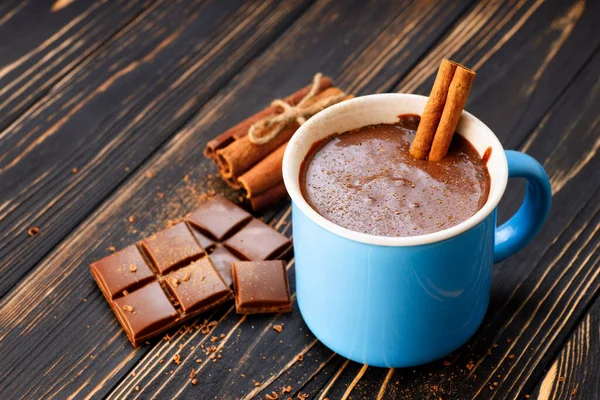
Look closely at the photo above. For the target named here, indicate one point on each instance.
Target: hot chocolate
(366, 180)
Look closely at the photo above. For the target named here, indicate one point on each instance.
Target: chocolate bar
(159, 283)
(261, 287)
(184, 270)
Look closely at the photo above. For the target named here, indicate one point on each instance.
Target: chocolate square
(218, 217)
(261, 287)
(257, 241)
(198, 286)
(222, 258)
(145, 312)
(172, 247)
(123, 270)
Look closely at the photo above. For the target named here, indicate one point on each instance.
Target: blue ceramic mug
(399, 302)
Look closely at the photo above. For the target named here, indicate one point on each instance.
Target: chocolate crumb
(74, 170)
(33, 231)
(131, 219)
(112, 249)
(257, 384)
(192, 373)
(286, 389)
(214, 339)
(161, 361)
(512, 356)
(300, 357)
(177, 359)
(470, 365)
(132, 268)
(194, 382)
(278, 328)
(198, 360)
(272, 396)
(149, 174)
(174, 281)
(302, 396)
(137, 388)
(128, 308)
(205, 331)
(222, 335)
(212, 323)
(186, 276)
(447, 363)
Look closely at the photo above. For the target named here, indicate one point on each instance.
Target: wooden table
(105, 108)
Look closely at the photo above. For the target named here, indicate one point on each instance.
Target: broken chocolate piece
(261, 287)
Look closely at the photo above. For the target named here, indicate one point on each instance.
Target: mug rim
(291, 176)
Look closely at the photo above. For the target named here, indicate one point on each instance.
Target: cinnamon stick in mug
(432, 114)
(455, 102)
(442, 112)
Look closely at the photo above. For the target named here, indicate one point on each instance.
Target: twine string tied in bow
(267, 129)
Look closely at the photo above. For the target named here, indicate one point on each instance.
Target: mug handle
(522, 227)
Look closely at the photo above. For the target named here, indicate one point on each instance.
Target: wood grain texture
(538, 296)
(80, 141)
(42, 41)
(179, 174)
(574, 373)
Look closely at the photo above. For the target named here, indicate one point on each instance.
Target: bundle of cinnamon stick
(252, 161)
(443, 110)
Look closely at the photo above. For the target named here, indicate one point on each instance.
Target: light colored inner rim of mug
(469, 127)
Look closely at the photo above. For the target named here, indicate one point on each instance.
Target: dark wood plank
(575, 373)
(42, 41)
(64, 346)
(116, 109)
